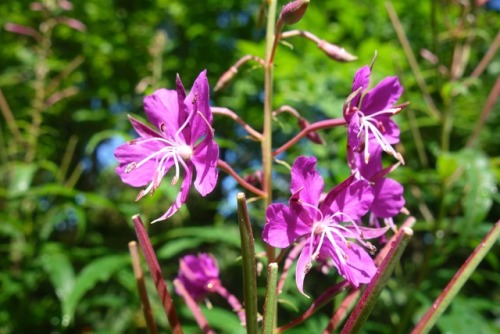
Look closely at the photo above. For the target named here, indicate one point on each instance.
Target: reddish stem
(154, 269)
(225, 167)
(233, 301)
(193, 306)
(326, 124)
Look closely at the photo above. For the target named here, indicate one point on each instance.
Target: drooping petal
(204, 159)
(306, 179)
(162, 111)
(283, 226)
(358, 268)
(352, 197)
(389, 199)
(181, 196)
(356, 160)
(304, 264)
(134, 152)
(382, 97)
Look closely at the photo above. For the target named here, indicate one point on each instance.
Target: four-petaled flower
(199, 275)
(184, 140)
(368, 114)
(330, 228)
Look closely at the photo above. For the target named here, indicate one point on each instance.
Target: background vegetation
(67, 87)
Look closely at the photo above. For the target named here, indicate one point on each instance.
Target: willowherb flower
(330, 227)
(388, 197)
(368, 114)
(199, 275)
(183, 141)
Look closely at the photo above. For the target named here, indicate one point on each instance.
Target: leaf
(59, 269)
(225, 234)
(21, 179)
(480, 185)
(98, 270)
(174, 247)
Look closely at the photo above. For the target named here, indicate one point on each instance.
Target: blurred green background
(69, 78)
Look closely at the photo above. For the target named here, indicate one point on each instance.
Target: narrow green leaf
(96, 271)
(248, 265)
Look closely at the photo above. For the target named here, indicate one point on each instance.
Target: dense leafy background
(65, 215)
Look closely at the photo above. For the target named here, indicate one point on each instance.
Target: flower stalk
(248, 265)
(155, 271)
(271, 297)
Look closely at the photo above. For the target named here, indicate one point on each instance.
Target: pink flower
(368, 114)
(199, 275)
(184, 141)
(330, 228)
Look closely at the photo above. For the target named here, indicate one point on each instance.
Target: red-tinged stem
(326, 124)
(141, 287)
(322, 300)
(302, 33)
(155, 271)
(225, 167)
(193, 306)
(231, 114)
(456, 283)
(233, 301)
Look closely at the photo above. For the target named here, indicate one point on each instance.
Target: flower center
(330, 229)
(370, 124)
(172, 153)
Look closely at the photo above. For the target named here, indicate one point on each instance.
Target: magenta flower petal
(304, 264)
(205, 162)
(353, 199)
(356, 266)
(283, 226)
(162, 111)
(307, 180)
(389, 198)
(383, 96)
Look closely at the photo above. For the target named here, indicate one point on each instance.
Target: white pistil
(179, 153)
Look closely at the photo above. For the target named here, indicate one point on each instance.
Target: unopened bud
(335, 52)
(293, 12)
(226, 78)
(312, 136)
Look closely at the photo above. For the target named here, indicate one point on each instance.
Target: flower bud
(335, 52)
(312, 136)
(293, 12)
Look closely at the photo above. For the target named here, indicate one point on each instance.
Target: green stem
(248, 264)
(267, 154)
(456, 283)
(270, 303)
(372, 292)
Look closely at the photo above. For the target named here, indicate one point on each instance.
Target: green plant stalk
(456, 283)
(248, 264)
(271, 296)
(267, 154)
(372, 292)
